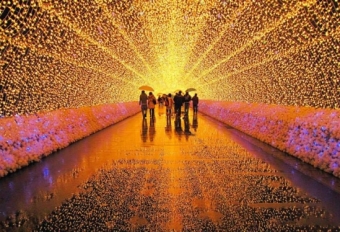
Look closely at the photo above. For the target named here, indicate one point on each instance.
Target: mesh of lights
(65, 54)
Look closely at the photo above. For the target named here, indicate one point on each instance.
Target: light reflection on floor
(162, 175)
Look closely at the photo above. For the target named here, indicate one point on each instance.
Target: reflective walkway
(166, 175)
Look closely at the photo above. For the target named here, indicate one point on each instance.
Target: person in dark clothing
(143, 101)
(160, 101)
(195, 103)
(178, 100)
(187, 99)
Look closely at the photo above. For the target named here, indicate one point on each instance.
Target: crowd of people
(173, 104)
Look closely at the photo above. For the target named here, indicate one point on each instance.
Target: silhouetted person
(195, 103)
(187, 99)
(143, 102)
(160, 101)
(178, 99)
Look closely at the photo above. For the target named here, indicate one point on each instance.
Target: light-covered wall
(308, 133)
(66, 54)
(28, 138)
(61, 54)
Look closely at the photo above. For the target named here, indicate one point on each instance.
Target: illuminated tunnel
(267, 68)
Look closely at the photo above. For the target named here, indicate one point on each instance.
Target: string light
(65, 54)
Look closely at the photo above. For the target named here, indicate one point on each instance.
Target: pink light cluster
(28, 138)
(310, 134)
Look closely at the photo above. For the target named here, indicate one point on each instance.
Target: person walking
(160, 101)
(151, 104)
(195, 103)
(178, 100)
(143, 102)
(169, 102)
(187, 99)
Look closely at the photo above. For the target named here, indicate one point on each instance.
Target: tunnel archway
(260, 66)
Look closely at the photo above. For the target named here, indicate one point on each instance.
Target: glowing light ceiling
(58, 53)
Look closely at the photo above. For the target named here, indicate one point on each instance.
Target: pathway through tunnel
(145, 175)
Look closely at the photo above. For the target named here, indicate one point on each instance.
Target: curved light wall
(92, 55)
(61, 54)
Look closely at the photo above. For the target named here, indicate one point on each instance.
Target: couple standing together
(147, 102)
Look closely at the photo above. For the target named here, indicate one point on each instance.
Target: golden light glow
(63, 54)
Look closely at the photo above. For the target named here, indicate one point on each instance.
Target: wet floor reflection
(167, 174)
(144, 130)
(195, 122)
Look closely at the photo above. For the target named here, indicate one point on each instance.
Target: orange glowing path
(149, 175)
